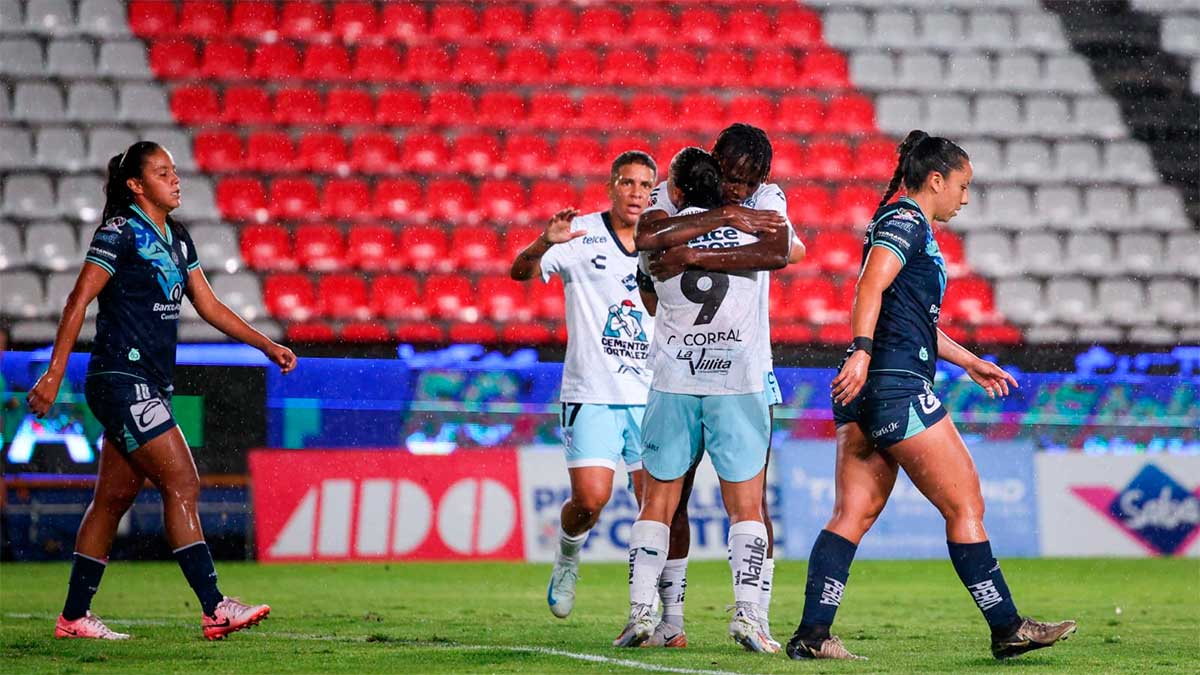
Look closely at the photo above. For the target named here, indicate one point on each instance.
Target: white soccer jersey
(713, 334)
(768, 197)
(609, 331)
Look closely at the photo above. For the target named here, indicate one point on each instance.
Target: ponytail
(121, 168)
(910, 143)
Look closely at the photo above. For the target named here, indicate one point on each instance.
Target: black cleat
(1030, 635)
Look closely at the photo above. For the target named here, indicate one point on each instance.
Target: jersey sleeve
(899, 234)
(773, 200)
(660, 200)
(108, 244)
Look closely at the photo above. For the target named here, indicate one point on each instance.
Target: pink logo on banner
(1153, 509)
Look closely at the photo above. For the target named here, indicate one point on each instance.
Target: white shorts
(601, 435)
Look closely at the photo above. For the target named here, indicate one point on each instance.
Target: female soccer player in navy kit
(140, 264)
(887, 416)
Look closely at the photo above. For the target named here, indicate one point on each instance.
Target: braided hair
(696, 174)
(921, 155)
(121, 168)
(747, 146)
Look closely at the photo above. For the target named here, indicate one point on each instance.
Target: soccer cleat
(745, 630)
(639, 629)
(87, 626)
(827, 648)
(231, 616)
(764, 625)
(666, 635)
(560, 595)
(1031, 635)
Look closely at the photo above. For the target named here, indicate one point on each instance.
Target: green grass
(907, 617)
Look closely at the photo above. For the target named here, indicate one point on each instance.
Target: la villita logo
(1153, 509)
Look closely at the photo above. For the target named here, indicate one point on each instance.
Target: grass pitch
(907, 617)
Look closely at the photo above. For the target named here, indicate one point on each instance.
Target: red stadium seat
(347, 199)
(552, 24)
(395, 297)
(782, 305)
(952, 251)
(1002, 334)
(526, 154)
(298, 106)
(651, 25)
(801, 114)
(303, 20)
(194, 105)
(828, 160)
(516, 238)
(224, 59)
(701, 112)
(576, 65)
(477, 154)
(836, 334)
(956, 332)
(289, 297)
(218, 151)
(791, 333)
(476, 248)
(551, 110)
(322, 152)
(451, 200)
(824, 69)
(701, 26)
(242, 199)
(400, 108)
(293, 199)
(668, 146)
(601, 111)
(752, 109)
(851, 114)
(267, 248)
(477, 64)
(502, 23)
(173, 59)
(969, 299)
(365, 332)
(325, 62)
(798, 27)
(428, 63)
(451, 109)
(650, 111)
(453, 22)
(676, 66)
(371, 248)
(311, 331)
(875, 159)
(626, 67)
(502, 200)
(151, 18)
(354, 20)
(399, 199)
(526, 65)
(470, 333)
(420, 333)
(809, 206)
(547, 300)
(320, 248)
(349, 107)
(343, 296)
(425, 247)
(377, 63)
(253, 18)
(449, 297)
(246, 105)
(773, 68)
(548, 197)
(749, 27)
(275, 61)
(526, 334)
(855, 204)
(403, 21)
(580, 156)
(836, 251)
(816, 300)
(270, 151)
(501, 109)
(601, 25)
(594, 198)
(725, 67)
(424, 153)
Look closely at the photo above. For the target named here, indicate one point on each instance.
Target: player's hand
(559, 229)
(752, 221)
(991, 377)
(44, 392)
(671, 262)
(851, 379)
(282, 357)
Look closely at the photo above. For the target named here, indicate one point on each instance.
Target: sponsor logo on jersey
(1153, 508)
(725, 237)
(706, 361)
(134, 354)
(886, 429)
(906, 215)
(623, 334)
(630, 281)
(595, 239)
(929, 401)
(113, 225)
(102, 252)
(897, 239)
(149, 414)
(923, 354)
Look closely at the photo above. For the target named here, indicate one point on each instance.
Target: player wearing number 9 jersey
(710, 352)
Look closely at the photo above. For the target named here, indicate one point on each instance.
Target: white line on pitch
(594, 658)
(115, 622)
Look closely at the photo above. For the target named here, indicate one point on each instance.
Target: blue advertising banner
(910, 527)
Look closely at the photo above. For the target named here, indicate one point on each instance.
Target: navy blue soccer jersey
(137, 326)
(906, 332)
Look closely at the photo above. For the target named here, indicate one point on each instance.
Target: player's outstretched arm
(656, 231)
(528, 263)
(770, 252)
(211, 309)
(994, 379)
(92, 279)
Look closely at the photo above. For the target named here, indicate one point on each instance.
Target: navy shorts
(891, 408)
(132, 411)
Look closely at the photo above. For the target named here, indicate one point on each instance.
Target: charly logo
(625, 322)
(1153, 508)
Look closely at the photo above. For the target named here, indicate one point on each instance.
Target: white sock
(569, 546)
(671, 588)
(764, 593)
(747, 556)
(648, 543)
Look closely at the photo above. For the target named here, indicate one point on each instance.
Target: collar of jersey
(607, 218)
(150, 223)
(915, 205)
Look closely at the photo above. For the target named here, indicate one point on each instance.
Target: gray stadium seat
(1091, 253)
(1039, 252)
(1009, 207)
(38, 102)
(1174, 301)
(1129, 162)
(59, 286)
(1021, 301)
(920, 71)
(894, 29)
(242, 293)
(846, 28)
(1108, 207)
(5, 103)
(51, 246)
(60, 148)
(1070, 74)
(987, 158)
(1073, 300)
(990, 30)
(1052, 334)
(1027, 161)
(970, 71)
(1181, 34)
(1161, 207)
(121, 59)
(1018, 72)
(71, 58)
(949, 114)
(1041, 31)
(91, 102)
(942, 29)
(28, 196)
(103, 17)
(974, 217)
(997, 115)
(1099, 116)
(199, 200)
(872, 71)
(21, 56)
(991, 254)
(1123, 302)
(44, 332)
(199, 331)
(898, 114)
(10, 17)
(1153, 335)
(1183, 254)
(174, 140)
(81, 197)
(1078, 161)
(16, 149)
(1103, 334)
(1196, 77)
(143, 103)
(23, 296)
(1140, 253)
(103, 143)
(12, 253)
(1048, 116)
(217, 246)
(49, 16)
(1059, 206)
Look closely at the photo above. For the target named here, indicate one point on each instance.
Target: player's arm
(656, 231)
(798, 250)
(646, 290)
(529, 261)
(92, 279)
(770, 252)
(878, 273)
(994, 379)
(216, 313)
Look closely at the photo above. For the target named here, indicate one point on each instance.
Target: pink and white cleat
(87, 626)
(231, 616)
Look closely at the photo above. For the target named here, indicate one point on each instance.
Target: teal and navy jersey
(906, 332)
(136, 329)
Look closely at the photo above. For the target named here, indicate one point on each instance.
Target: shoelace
(96, 624)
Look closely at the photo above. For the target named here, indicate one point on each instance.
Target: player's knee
(114, 505)
(590, 502)
(964, 509)
(184, 488)
(854, 519)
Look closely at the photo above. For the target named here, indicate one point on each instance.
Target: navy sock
(981, 574)
(828, 570)
(85, 580)
(197, 565)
